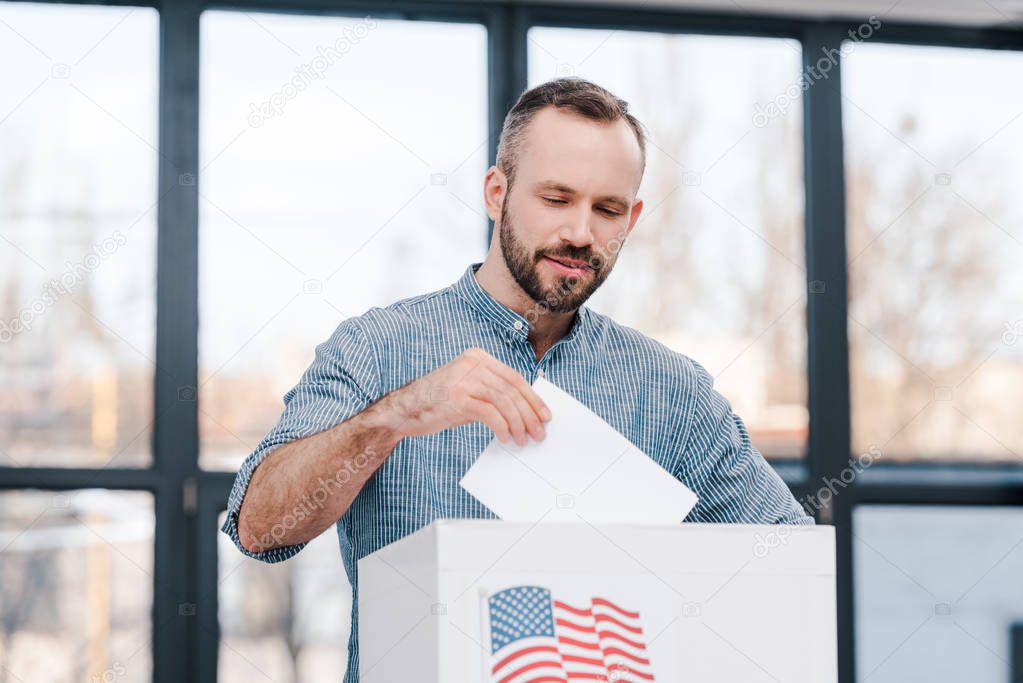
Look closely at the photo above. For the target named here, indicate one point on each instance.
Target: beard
(568, 292)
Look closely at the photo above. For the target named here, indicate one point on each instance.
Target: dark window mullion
(175, 431)
(507, 78)
(828, 345)
(67, 479)
(212, 500)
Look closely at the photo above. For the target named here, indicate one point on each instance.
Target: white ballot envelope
(583, 471)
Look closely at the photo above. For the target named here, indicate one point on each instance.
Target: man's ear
(495, 192)
(637, 208)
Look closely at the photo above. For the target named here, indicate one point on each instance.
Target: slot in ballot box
(473, 601)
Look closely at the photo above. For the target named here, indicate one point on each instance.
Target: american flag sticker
(537, 638)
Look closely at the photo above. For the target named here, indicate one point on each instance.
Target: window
(934, 245)
(337, 174)
(76, 585)
(288, 621)
(78, 164)
(936, 589)
(714, 268)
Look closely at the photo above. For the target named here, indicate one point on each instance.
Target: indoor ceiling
(975, 13)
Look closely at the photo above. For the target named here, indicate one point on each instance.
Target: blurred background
(193, 195)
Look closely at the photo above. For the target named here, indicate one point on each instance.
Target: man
(400, 400)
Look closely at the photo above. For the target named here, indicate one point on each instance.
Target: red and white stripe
(532, 660)
(602, 642)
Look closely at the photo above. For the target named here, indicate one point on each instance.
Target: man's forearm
(305, 486)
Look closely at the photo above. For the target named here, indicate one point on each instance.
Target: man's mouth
(567, 266)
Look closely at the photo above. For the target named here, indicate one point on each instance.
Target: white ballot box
(463, 601)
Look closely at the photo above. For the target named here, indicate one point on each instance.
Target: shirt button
(518, 325)
(540, 372)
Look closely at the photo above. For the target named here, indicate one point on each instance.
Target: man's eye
(609, 212)
(554, 200)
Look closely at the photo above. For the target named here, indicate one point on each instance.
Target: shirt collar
(502, 317)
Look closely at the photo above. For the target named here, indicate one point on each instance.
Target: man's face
(570, 208)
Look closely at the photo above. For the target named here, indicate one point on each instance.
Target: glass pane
(937, 589)
(342, 167)
(714, 267)
(78, 167)
(287, 622)
(76, 586)
(935, 237)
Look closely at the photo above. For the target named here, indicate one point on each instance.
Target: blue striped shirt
(663, 401)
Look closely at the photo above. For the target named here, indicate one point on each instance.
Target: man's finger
(519, 382)
(533, 423)
(500, 400)
(491, 417)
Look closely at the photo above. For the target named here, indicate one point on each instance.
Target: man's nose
(576, 230)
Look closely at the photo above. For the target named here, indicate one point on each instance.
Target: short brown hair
(576, 95)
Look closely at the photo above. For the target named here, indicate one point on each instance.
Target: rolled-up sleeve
(735, 483)
(341, 381)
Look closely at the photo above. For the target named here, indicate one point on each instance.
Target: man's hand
(474, 387)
